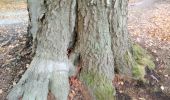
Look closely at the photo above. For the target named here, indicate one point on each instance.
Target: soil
(148, 25)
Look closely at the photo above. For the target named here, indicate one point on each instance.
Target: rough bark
(94, 45)
(52, 24)
(95, 30)
(120, 37)
(103, 43)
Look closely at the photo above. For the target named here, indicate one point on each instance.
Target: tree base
(42, 76)
(100, 87)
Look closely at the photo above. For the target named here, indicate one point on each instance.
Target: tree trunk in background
(96, 30)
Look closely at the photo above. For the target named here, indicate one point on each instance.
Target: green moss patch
(142, 57)
(138, 72)
(101, 87)
(139, 59)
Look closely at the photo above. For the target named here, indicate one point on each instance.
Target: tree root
(42, 76)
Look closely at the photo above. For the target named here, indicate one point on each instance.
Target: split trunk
(93, 30)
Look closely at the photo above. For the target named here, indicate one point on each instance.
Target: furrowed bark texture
(103, 42)
(96, 30)
(120, 37)
(52, 24)
(94, 45)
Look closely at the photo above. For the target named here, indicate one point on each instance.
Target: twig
(154, 78)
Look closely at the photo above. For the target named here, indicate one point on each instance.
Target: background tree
(95, 31)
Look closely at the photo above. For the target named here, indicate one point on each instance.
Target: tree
(95, 31)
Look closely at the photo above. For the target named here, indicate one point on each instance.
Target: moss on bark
(101, 87)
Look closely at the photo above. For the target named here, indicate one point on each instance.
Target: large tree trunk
(94, 45)
(96, 30)
(52, 23)
(102, 38)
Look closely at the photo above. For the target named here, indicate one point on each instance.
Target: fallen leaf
(166, 75)
(162, 88)
(1, 91)
(142, 99)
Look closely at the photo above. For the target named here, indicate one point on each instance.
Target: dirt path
(13, 17)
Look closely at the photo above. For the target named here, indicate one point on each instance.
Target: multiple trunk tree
(95, 31)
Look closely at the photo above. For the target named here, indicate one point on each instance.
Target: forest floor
(149, 25)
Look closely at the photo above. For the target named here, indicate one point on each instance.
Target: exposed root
(32, 88)
(42, 76)
(60, 85)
